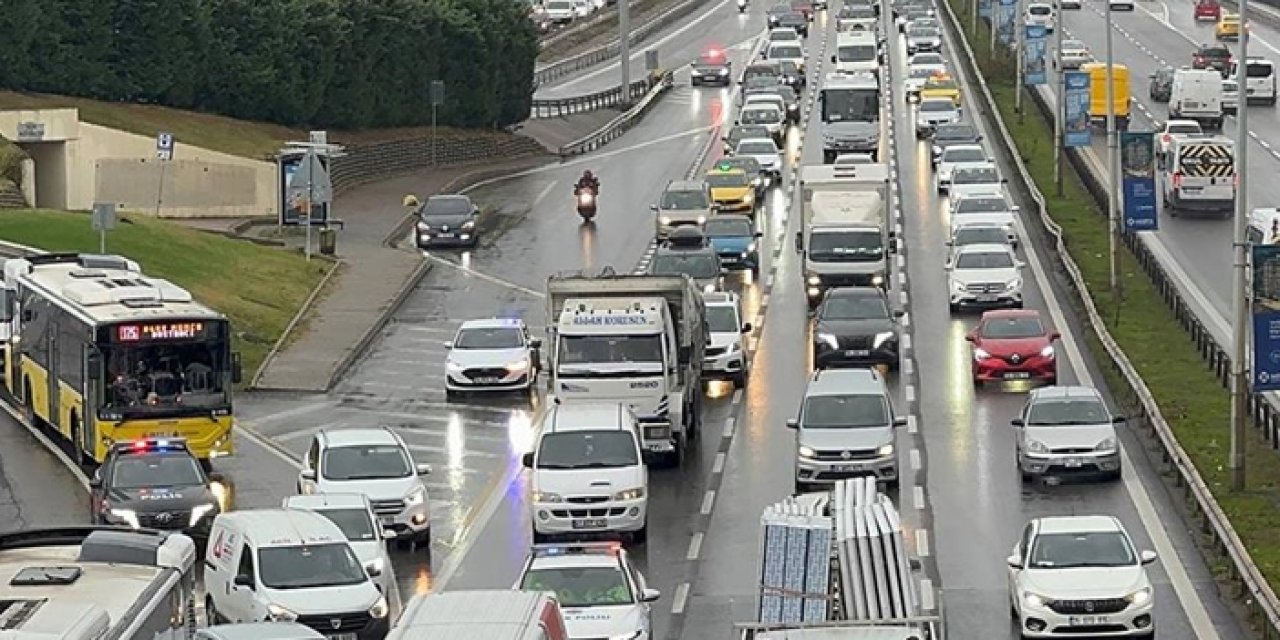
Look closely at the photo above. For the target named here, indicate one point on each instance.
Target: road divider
(1243, 573)
(619, 125)
(611, 97)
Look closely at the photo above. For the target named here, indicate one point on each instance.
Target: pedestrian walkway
(554, 133)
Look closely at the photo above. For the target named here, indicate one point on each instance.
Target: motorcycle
(586, 203)
(742, 6)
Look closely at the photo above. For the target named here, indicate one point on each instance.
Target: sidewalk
(554, 133)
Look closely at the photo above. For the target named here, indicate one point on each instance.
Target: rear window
(1039, 11)
(1256, 70)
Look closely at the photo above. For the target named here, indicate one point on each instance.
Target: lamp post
(624, 47)
(1061, 111)
(1113, 166)
(1240, 298)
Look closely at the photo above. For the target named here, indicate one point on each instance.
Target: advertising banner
(1138, 158)
(1035, 42)
(1006, 20)
(293, 200)
(1266, 317)
(984, 9)
(1075, 92)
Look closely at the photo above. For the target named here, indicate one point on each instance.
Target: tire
(211, 612)
(642, 535)
(450, 395)
(740, 380)
(955, 308)
(77, 451)
(423, 541)
(540, 538)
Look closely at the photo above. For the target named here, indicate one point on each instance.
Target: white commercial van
(857, 52)
(1259, 83)
(1200, 175)
(481, 615)
(291, 565)
(589, 474)
(1197, 95)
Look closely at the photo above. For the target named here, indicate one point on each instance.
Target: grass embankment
(258, 140)
(1190, 398)
(259, 288)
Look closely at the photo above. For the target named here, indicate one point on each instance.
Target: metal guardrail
(619, 125)
(1253, 588)
(608, 51)
(611, 97)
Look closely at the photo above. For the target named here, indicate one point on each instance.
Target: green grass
(258, 140)
(259, 288)
(1190, 397)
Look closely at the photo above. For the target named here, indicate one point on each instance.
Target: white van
(1200, 175)
(1040, 13)
(589, 474)
(1260, 80)
(290, 565)
(481, 615)
(1197, 95)
(353, 513)
(856, 52)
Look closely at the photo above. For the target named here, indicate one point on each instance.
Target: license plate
(986, 298)
(857, 353)
(342, 636)
(1191, 104)
(656, 447)
(1087, 621)
(487, 380)
(843, 468)
(1017, 375)
(1074, 462)
(593, 523)
(446, 235)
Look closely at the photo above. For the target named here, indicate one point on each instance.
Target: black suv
(1161, 87)
(155, 484)
(855, 326)
(1212, 56)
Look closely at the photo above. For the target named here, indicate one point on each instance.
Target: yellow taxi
(941, 86)
(731, 188)
(1228, 27)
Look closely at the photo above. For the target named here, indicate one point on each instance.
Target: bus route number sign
(159, 331)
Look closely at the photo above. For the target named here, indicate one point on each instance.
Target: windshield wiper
(1066, 423)
(370, 477)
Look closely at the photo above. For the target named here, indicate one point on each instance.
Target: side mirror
(792, 423)
(215, 476)
(1055, 336)
(388, 534)
(898, 313)
(411, 201)
(971, 337)
(1147, 556)
(1014, 562)
(1004, 181)
(1153, 77)
(308, 474)
(759, 234)
(979, 139)
(746, 328)
(799, 241)
(950, 243)
(650, 595)
(833, 59)
(422, 469)
(95, 482)
(653, 207)
(535, 343)
(527, 460)
(237, 369)
(243, 581)
(1017, 422)
(1015, 208)
(900, 422)
(1119, 420)
(946, 267)
(1020, 264)
(94, 366)
(448, 345)
(372, 570)
(28, 315)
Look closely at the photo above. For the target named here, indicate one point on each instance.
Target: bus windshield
(850, 105)
(170, 368)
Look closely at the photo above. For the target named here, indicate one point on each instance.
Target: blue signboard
(1138, 158)
(1006, 20)
(984, 9)
(1075, 129)
(1033, 48)
(1266, 317)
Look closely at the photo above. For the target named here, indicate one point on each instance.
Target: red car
(1013, 344)
(1208, 10)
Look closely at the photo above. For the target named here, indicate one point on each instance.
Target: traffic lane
(719, 25)
(1264, 39)
(36, 488)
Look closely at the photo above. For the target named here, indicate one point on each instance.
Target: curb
(407, 288)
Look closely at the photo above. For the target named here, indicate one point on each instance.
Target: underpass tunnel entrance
(49, 166)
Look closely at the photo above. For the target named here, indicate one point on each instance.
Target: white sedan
(765, 151)
(1069, 575)
(954, 155)
(495, 354)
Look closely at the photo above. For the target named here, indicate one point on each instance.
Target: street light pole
(1061, 111)
(1240, 298)
(1019, 54)
(1113, 164)
(624, 47)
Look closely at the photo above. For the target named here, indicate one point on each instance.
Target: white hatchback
(495, 354)
(954, 155)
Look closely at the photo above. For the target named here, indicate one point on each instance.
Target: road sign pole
(1019, 55)
(436, 95)
(310, 194)
(160, 188)
(434, 108)
(1239, 372)
(1061, 111)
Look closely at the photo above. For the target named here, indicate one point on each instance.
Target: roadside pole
(1113, 166)
(1061, 112)
(1239, 371)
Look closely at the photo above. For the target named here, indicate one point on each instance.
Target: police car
(495, 354)
(156, 484)
(601, 593)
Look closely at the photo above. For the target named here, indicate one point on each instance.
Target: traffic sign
(104, 216)
(320, 137)
(311, 182)
(164, 145)
(437, 93)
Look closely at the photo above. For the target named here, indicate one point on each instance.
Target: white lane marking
(542, 195)
(913, 425)
(906, 342)
(908, 366)
(911, 393)
(292, 413)
(922, 543)
(917, 497)
(708, 501)
(728, 427)
(902, 298)
(264, 443)
(737, 395)
(914, 455)
(681, 599)
(695, 546)
(926, 594)
(486, 277)
(57, 452)
(718, 466)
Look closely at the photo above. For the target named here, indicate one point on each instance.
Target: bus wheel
(28, 405)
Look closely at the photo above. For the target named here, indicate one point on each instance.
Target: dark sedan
(1161, 87)
(776, 12)
(446, 220)
(795, 21)
(855, 326)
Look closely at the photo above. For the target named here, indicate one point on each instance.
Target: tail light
(1177, 180)
(1166, 137)
(1235, 180)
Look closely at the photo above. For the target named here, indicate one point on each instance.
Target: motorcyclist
(587, 181)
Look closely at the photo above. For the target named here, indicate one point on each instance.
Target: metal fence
(611, 97)
(619, 125)
(1245, 577)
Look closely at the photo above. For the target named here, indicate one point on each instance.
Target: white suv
(984, 275)
(376, 462)
(845, 429)
(589, 475)
(1070, 575)
(601, 592)
(495, 354)
(725, 357)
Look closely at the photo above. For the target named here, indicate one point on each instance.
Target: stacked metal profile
(875, 570)
(795, 561)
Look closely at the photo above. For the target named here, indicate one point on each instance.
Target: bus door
(91, 360)
(52, 329)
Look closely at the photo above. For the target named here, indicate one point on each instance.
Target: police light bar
(580, 548)
(153, 444)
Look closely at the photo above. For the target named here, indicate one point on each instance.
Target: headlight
(1139, 597)
(379, 610)
(877, 279)
(751, 247)
(885, 450)
(957, 285)
(1108, 444)
(1014, 284)
(829, 340)
(757, 181)
(711, 288)
(1035, 446)
(814, 281)
(630, 494)
(937, 151)
(665, 220)
(980, 354)
(453, 366)
(519, 365)
(807, 452)
(734, 347)
(793, 107)
(543, 496)
(703, 219)
(376, 566)
(1034, 599)
(882, 338)
(129, 516)
(1047, 352)
(724, 72)
(199, 512)
(422, 226)
(278, 613)
(749, 198)
(416, 497)
(468, 225)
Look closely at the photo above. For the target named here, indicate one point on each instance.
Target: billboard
(1266, 317)
(289, 204)
(1006, 21)
(1075, 96)
(1035, 41)
(1138, 160)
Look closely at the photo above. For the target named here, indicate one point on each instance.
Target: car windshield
(766, 72)
(757, 148)
(941, 84)
(1188, 127)
(742, 133)
(975, 175)
(984, 260)
(697, 265)
(488, 338)
(446, 206)
(785, 51)
(309, 567)
(1230, 86)
(748, 164)
(365, 462)
(559, 6)
(793, 18)
(845, 412)
(846, 246)
(856, 53)
(937, 106)
(1072, 45)
(581, 586)
(982, 205)
(964, 155)
(854, 308)
(711, 60)
(955, 132)
(922, 73)
(151, 471)
(356, 524)
(1011, 328)
(722, 318)
(1093, 549)
(781, 35)
(926, 58)
(600, 449)
(728, 180)
(922, 32)
(728, 227)
(857, 13)
(980, 235)
(627, 350)
(757, 116)
(685, 200)
(780, 9)
(1067, 412)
